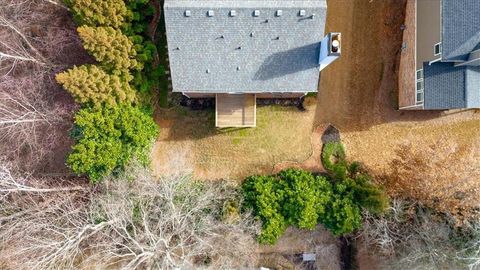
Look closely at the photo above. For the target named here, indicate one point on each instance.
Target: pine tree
(110, 47)
(89, 84)
(112, 13)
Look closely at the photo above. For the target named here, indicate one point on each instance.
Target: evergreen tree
(110, 47)
(112, 13)
(89, 84)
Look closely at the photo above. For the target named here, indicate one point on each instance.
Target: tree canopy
(89, 84)
(299, 198)
(302, 199)
(112, 13)
(108, 137)
(114, 50)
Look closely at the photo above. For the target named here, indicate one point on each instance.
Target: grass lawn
(282, 134)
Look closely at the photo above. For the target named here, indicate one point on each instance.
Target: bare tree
(15, 47)
(37, 39)
(168, 223)
(9, 183)
(425, 173)
(412, 236)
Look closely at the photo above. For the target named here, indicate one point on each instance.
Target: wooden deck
(235, 110)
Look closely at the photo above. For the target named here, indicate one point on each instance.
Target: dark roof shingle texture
(244, 53)
(460, 28)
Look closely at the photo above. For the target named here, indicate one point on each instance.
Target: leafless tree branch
(167, 223)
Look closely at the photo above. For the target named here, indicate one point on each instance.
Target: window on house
(419, 98)
(437, 49)
(419, 74)
(419, 87)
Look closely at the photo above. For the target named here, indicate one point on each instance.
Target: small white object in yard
(308, 257)
(264, 268)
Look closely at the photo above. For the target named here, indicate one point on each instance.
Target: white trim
(435, 60)
(411, 106)
(416, 74)
(417, 90)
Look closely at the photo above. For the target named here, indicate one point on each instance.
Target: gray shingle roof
(444, 86)
(450, 87)
(460, 28)
(274, 52)
(472, 87)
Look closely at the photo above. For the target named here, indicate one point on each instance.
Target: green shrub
(333, 153)
(352, 175)
(107, 138)
(368, 195)
(299, 198)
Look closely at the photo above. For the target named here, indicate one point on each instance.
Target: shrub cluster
(111, 127)
(107, 137)
(302, 199)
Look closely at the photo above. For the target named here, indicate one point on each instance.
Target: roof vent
(279, 13)
(239, 48)
(238, 68)
(233, 13)
(251, 34)
(188, 13)
(256, 13)
(211, 13)
(313, 16)
(302, 13)
(208, 70)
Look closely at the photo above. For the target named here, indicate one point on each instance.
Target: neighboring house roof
(454, 82)
(460, 28)
(217, 51)
(449, 87)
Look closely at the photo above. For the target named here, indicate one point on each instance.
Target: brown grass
(282, 133)
(358, 95)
